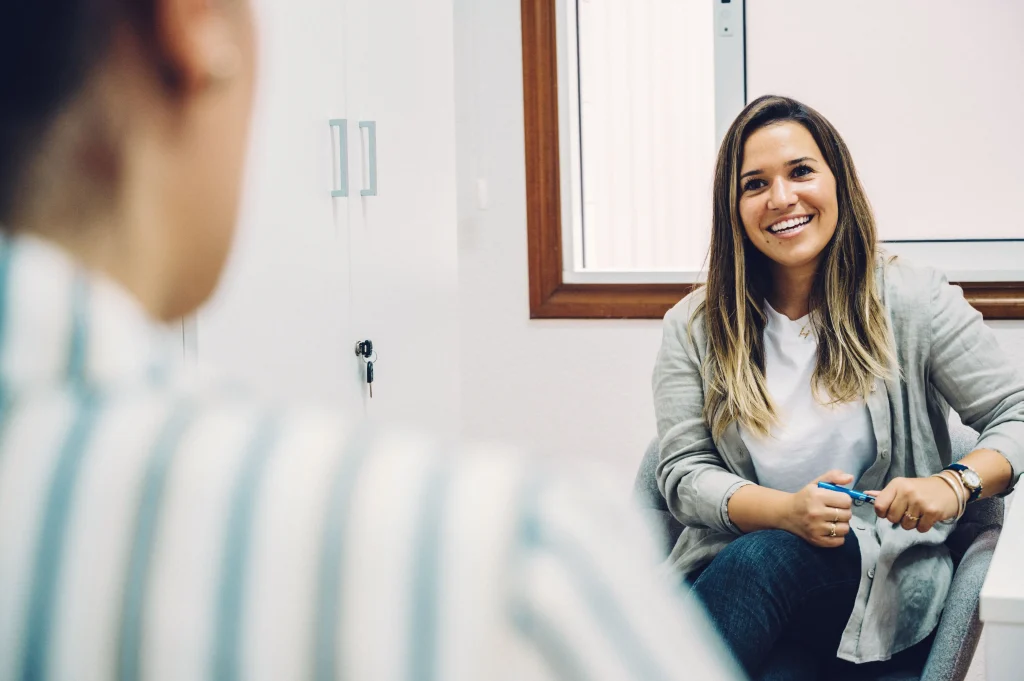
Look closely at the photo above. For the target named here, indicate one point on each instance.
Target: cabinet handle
(342, 125)
(372, 127)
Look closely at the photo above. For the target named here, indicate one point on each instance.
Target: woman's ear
(197, 42)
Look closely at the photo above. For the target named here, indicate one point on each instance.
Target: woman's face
(787, 193)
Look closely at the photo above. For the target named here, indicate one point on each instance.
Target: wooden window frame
(552, 298)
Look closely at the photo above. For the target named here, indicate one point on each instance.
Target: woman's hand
(819, 516)
(916, 503)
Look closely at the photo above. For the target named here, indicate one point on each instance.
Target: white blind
(647, 122)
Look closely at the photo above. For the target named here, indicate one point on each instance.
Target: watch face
(971, 479)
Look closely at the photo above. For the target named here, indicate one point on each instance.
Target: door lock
(364, 349)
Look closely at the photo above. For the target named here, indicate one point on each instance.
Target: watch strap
(959, 469)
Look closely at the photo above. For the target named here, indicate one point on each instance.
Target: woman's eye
(753, 185)
(800, 171)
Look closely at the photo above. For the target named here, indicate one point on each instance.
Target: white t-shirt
(810, 438)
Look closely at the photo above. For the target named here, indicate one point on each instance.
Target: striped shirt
(152, 528)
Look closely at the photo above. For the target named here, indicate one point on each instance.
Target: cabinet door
(282, 319)
(404, 239)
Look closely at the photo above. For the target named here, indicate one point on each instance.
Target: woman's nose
(781, 195)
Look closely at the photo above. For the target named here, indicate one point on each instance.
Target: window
(642, 133)
(625, 103)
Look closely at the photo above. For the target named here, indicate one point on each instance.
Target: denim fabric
(771, 587)
(782, 604)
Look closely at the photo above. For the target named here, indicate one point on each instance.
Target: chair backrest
(649, 499)
(979, 515)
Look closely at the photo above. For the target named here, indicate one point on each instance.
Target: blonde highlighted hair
(854, 338)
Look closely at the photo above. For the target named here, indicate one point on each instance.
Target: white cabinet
(313, 274)
(404, 241)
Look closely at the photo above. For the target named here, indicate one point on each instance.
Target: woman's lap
(771, 589)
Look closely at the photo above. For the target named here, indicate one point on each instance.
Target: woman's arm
(818, 516)
(692, 477)
(994, 469)
(969, 369)
(967, 365)
(919, 503)
(754, 508)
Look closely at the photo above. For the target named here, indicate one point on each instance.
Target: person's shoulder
(317, 430)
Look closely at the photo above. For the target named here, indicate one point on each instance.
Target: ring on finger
(915, 518)
(836, 519)
(832, 532)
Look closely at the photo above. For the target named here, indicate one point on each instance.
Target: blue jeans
(782, 604)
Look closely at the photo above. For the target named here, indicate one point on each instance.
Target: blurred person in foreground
(152, 530)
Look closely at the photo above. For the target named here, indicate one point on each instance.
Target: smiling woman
(795, 232)
(812, 356)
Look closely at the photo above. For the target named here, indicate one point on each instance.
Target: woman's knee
(762, 549)
(754, 558)
(778, 561)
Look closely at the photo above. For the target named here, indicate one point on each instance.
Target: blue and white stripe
(150, 530)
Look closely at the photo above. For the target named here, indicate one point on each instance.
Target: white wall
(579, 390)
(559, 388)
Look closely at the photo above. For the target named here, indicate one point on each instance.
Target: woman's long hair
(854, 337)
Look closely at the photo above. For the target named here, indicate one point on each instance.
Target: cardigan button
(871, 573)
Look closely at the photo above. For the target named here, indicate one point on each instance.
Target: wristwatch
(970, 478)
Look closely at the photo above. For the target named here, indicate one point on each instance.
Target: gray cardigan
(947, 357)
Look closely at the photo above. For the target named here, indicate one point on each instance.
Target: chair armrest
(959, 628)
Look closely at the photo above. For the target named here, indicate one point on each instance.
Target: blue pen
(857, 496)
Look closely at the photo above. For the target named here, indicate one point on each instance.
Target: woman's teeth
(788, 225)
